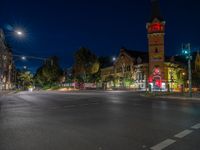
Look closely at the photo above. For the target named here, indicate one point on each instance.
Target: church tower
(156, 32)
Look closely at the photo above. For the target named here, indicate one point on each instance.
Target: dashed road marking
(183, 133)
(163, 144)
(196, 126)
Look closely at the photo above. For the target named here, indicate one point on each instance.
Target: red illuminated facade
(156, 28)
(156, 48)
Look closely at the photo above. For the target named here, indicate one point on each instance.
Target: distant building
(197, 62)
(7, 68)
(150, 70)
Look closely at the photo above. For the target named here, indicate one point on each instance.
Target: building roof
(138, 56)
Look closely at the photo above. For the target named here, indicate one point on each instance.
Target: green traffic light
(185, 52)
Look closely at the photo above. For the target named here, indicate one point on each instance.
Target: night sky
(61, 27)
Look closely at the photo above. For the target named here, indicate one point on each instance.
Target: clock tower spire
(155, 33)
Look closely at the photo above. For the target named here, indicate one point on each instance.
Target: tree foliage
(49, 73)
(24, 79)
(86, 65)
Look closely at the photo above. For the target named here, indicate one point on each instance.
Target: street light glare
(19, 32)
(114, 58)
(23, 58)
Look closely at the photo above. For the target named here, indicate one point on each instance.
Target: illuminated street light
(114, 58)
(19, 33)
(23, 58)
(25, 67)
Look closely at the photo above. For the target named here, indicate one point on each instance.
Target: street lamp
(23, 58)
(19, 33)
(25, 67)
(114, 59)
(186, 50)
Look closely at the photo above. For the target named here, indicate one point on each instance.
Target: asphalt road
(97, 120)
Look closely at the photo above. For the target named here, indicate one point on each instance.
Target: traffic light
(186, 50)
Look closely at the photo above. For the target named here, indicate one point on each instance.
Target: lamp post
(186, 50)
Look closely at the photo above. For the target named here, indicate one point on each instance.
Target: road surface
(97, 120)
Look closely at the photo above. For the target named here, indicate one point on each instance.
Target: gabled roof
(138, 54)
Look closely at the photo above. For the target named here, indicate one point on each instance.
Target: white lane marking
(163, 144)
(196, 126)
(183, 133)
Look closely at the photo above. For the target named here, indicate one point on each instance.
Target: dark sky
(61, 27)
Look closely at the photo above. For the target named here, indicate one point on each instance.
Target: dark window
(156, 50)
(128, 68)
(119, 70)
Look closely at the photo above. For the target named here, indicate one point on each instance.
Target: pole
(189, 71)
(186, 50)
(190, 76)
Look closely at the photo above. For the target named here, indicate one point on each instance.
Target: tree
(49, 73)
(86, 64)
(24, 79)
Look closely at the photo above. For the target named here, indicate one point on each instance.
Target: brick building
(150, 70)
(7, 68)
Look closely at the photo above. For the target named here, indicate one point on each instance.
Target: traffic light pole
(186, 50)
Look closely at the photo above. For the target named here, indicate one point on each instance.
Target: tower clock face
(156, 27)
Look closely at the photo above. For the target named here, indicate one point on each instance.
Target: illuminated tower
(156, 32)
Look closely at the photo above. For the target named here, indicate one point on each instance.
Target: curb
(180, 98)
(174, 97)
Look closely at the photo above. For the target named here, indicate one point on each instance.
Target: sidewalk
(177, 96)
